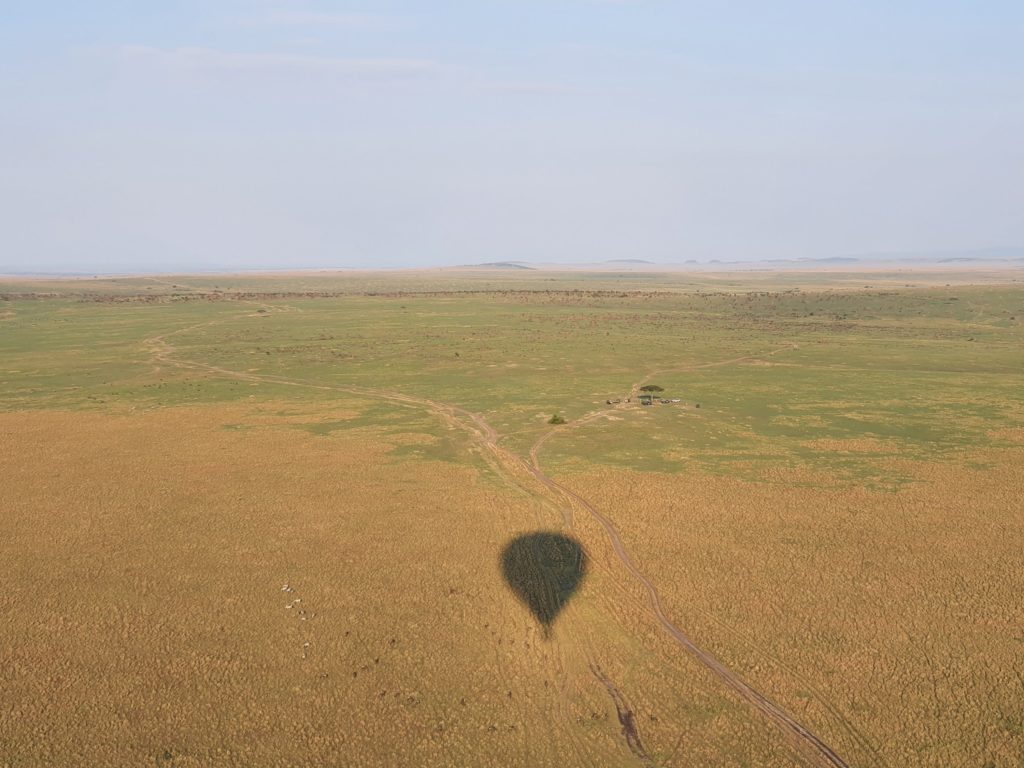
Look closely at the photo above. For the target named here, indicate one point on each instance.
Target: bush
(556, 419)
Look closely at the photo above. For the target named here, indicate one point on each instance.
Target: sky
(262, 134)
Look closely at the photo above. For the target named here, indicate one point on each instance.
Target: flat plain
(260, 520)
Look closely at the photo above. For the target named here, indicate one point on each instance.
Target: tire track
(823, 754)
(506, 463)
(758, 700)
(627, 719)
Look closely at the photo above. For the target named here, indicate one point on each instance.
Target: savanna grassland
(260, 520)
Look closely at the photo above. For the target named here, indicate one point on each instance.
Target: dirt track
(512, 467)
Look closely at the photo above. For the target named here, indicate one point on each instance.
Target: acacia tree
(651, 389)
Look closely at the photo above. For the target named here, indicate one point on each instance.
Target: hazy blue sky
(245, 134)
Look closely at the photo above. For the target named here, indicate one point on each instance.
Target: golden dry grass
(841, 527)
(144, 619)
(854, 445)
(901, 609)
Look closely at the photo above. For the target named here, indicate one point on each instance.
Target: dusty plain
(259, 519)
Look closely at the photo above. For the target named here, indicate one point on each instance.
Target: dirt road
(515, 468)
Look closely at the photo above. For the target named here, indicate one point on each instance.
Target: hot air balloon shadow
(544, 570)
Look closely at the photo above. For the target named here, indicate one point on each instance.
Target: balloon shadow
(544, 570)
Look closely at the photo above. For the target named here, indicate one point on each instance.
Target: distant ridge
(947, 257)
(1011, 257)
(502, 265)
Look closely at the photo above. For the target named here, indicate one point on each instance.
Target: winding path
(511, 466)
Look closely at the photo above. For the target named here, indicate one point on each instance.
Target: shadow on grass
(544, 570)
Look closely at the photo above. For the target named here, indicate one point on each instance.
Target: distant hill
(501, 265)
(948, 257)
(628, 261)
